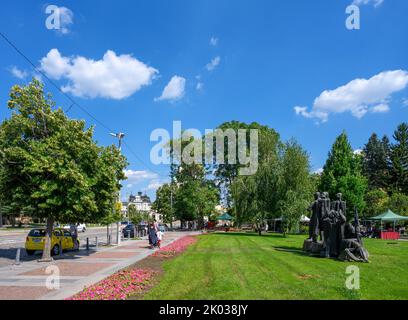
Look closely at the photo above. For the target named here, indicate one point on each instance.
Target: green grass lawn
(247, 266)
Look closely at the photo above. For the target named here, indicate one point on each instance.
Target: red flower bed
(125, 283)
(116, 287)
(176, 247)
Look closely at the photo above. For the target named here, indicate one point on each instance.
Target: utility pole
(171, 189)
(1, 217)
(127, 209)
(120, 137)
(171, 205)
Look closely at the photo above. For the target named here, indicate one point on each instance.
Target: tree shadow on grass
(8, 255)
(293, 250)
(249, 234)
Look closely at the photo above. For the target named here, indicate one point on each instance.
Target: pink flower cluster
(116, 287)
(176, 247)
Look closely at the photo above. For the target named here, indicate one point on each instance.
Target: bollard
(96, 243)
(60, 250)
(87, 244)
(17, 262)
(129, 235)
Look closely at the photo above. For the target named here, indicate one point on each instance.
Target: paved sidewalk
(77, 270)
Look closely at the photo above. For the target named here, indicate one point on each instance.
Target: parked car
(61, 240)
(81, 227)
(129, 229)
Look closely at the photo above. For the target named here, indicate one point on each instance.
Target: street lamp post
(120, 137)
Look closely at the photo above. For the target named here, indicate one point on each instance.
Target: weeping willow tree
(255, 197)
(282, 187)
(295, 187)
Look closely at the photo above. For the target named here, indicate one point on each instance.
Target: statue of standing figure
(314, 227)
(328, 222)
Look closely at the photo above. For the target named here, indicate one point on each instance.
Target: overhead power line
(141, 161)
(73, 102)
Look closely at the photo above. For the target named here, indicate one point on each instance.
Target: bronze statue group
(330, 235)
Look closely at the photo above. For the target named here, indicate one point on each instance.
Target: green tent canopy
(389, 216)
(225, 217)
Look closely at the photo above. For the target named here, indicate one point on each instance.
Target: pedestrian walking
(152, 236)
(160, 235)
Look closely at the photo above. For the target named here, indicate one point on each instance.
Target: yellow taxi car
(61, 240)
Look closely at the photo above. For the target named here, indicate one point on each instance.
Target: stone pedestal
(313, 247)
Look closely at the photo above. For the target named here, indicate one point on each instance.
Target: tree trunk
(107, 234)
(46, 257)
(1, 219)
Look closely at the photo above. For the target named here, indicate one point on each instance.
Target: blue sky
(221, 61)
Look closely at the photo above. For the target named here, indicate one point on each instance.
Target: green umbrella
(225, 217)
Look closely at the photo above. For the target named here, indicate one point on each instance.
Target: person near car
(152, 236)
(160, 235)
(74, 232)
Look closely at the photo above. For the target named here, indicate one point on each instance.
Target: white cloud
(135, 176)
(174, 90)
(154, 185)
(318, 171)
(20, 74)
(56, 66)
(213, 64)
(358, 152)
(375, 3)
(138, 178)
(358, 96)
(214, 41)
(200, 86)
(38, 76)
(114, 77)
(381, 108)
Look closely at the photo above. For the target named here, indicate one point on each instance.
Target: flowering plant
(176, 247)
(117, 287)
(125, 283)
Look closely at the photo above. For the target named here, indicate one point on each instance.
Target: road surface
(10, 241)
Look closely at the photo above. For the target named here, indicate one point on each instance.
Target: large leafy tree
(195, 200)
(296, 187)
(399, 159)
(136, 216)
(398, 203)
(376, 158)
(377, 202)
(268, 148)
(194, 196)
(282, 187)
(52, 167)
(245, 205)
(342, 174)
(163, 203)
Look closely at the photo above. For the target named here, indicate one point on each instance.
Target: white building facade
(143, 204)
